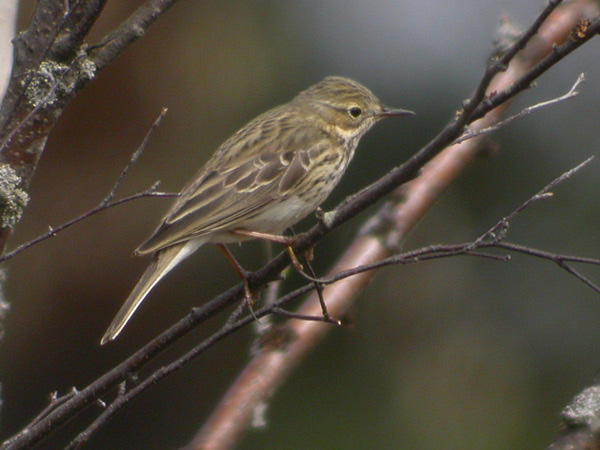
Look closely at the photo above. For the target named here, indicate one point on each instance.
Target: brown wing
(242, 179)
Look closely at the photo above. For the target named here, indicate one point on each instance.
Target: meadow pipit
(266, 177)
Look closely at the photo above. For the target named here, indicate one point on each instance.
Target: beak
(392, 112)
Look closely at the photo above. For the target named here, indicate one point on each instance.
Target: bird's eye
(355, 112)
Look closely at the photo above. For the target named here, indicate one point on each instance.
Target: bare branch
(53, 43)
(135, 156)
(55, 401)
(579, 275)
(149, 192)
(501, 64)
(272, 366)
(558, 53)
(497, 232)
(541, 253)
(469, 134)
(108, 201)
(505, 86)
(79, 19)
(129, 31)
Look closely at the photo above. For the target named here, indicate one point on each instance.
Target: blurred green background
(455, 354)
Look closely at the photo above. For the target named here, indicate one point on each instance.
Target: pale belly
(276, 220)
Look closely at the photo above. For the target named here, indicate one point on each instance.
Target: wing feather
(229, 191)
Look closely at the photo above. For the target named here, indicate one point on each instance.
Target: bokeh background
(454, 354)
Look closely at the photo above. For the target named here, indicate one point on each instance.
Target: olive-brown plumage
(265, 178)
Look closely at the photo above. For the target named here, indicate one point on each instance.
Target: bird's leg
(243, 274)
(319, 289)
(288, 241)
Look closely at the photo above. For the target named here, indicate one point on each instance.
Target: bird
(265, 178)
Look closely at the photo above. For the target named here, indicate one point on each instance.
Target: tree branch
(128, 32)
(108, 201)
(51, 66)
(268, 369)
(469, 134)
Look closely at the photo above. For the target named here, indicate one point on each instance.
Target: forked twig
(55, 402)
(135, 157)
(470, 134)
(108, 201)
(499, 229)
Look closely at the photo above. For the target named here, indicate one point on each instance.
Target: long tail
(162, 262)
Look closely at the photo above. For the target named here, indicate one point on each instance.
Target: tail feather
(162, 263)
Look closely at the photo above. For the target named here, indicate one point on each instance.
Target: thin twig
(108, 201)
(579, 275)
(497, 232)
(470, 134)
(501, 64)
(132, 29)
(435, 252)
(125, 397)
(135, 157)
(150, 192)
(558, 53)
(55, 402)
(319, 291)
(541, 253)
